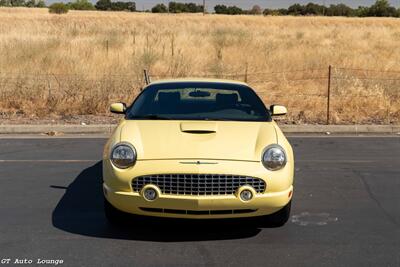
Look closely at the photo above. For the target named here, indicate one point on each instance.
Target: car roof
(197, 80)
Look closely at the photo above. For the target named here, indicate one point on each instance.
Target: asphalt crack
(375, 199)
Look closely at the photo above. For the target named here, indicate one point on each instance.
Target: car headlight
(123, 155)
(274, 158)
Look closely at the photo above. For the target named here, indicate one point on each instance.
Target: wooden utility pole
(204, 7)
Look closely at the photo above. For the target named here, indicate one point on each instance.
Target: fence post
(388, 111)
(328, 104)
(146, 77)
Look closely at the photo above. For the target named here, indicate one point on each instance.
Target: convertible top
(197, 80)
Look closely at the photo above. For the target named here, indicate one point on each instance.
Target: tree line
(381, 8)
(60, 8)
(23, 3)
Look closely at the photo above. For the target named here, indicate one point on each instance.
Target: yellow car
(198, 149)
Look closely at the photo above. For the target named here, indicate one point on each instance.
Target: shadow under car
(80, 211)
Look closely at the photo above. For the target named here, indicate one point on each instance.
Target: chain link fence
(331, 95)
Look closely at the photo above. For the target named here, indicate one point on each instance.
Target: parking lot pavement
(346, 211)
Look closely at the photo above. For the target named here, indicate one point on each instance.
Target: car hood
(220, 140)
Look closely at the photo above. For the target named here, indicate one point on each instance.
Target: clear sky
(146, 4)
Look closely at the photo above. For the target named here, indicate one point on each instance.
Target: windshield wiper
(152, 117)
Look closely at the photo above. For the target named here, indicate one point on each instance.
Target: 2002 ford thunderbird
(198, 149)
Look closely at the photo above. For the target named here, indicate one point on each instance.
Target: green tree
(123, 6)
(230, 10)
(296, 10)
(17, 2)
(382, 8)
(81, 5)
(221, 9)
(159, 8)
(340, 10)
(103, 5)
(30, 3)
(193, 8)
(58, 8)
(5, 3)
(314, 9)
(40, 3)
(175, 7)
(234, 10)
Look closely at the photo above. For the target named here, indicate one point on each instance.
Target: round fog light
(150, 194)
(246, 195)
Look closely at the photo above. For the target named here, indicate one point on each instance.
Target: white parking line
(47, 160)
(96, 160)
(105, 136)
(338, 161)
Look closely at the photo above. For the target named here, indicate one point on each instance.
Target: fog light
(246, 195)
(150, 194)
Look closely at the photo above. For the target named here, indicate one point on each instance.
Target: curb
(108, 128)
(56, 129)
(342, 129)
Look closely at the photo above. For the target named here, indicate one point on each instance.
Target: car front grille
(198, 184)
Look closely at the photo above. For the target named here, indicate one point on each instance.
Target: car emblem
(197, 162)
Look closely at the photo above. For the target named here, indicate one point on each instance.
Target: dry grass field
(78, 63)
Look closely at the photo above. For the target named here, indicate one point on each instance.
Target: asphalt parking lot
(346, 211)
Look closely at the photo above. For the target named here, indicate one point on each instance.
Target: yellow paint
(117, 108)
(169, 147)
(279, 110)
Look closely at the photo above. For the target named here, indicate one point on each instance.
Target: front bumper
(118, 191)
(201, 207)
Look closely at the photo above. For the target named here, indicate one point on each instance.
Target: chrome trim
(273, 146)
(198, 162)
(123, 144)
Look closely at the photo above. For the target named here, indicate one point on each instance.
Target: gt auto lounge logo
(25, 261)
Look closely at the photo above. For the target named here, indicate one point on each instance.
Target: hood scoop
(199, 127)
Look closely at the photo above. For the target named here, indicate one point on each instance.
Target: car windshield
(198, 101)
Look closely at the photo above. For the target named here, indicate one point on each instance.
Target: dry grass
(80, 62)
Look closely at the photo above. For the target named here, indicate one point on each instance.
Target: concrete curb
(107, 129)
(342, 129)
(56, 129)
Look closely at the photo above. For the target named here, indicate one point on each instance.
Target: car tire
(278, 218)
(114, 216)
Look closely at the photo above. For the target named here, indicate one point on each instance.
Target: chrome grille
(198, 184)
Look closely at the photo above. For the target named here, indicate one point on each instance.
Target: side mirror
(118, 108)
(278, 110)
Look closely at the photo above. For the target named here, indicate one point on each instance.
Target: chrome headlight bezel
(121, 163)
(274, 165)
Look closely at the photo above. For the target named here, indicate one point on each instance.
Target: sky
(147, 4)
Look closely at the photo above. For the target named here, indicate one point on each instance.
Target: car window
(198, 101)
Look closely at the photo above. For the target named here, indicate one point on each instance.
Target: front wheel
(278, 218)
